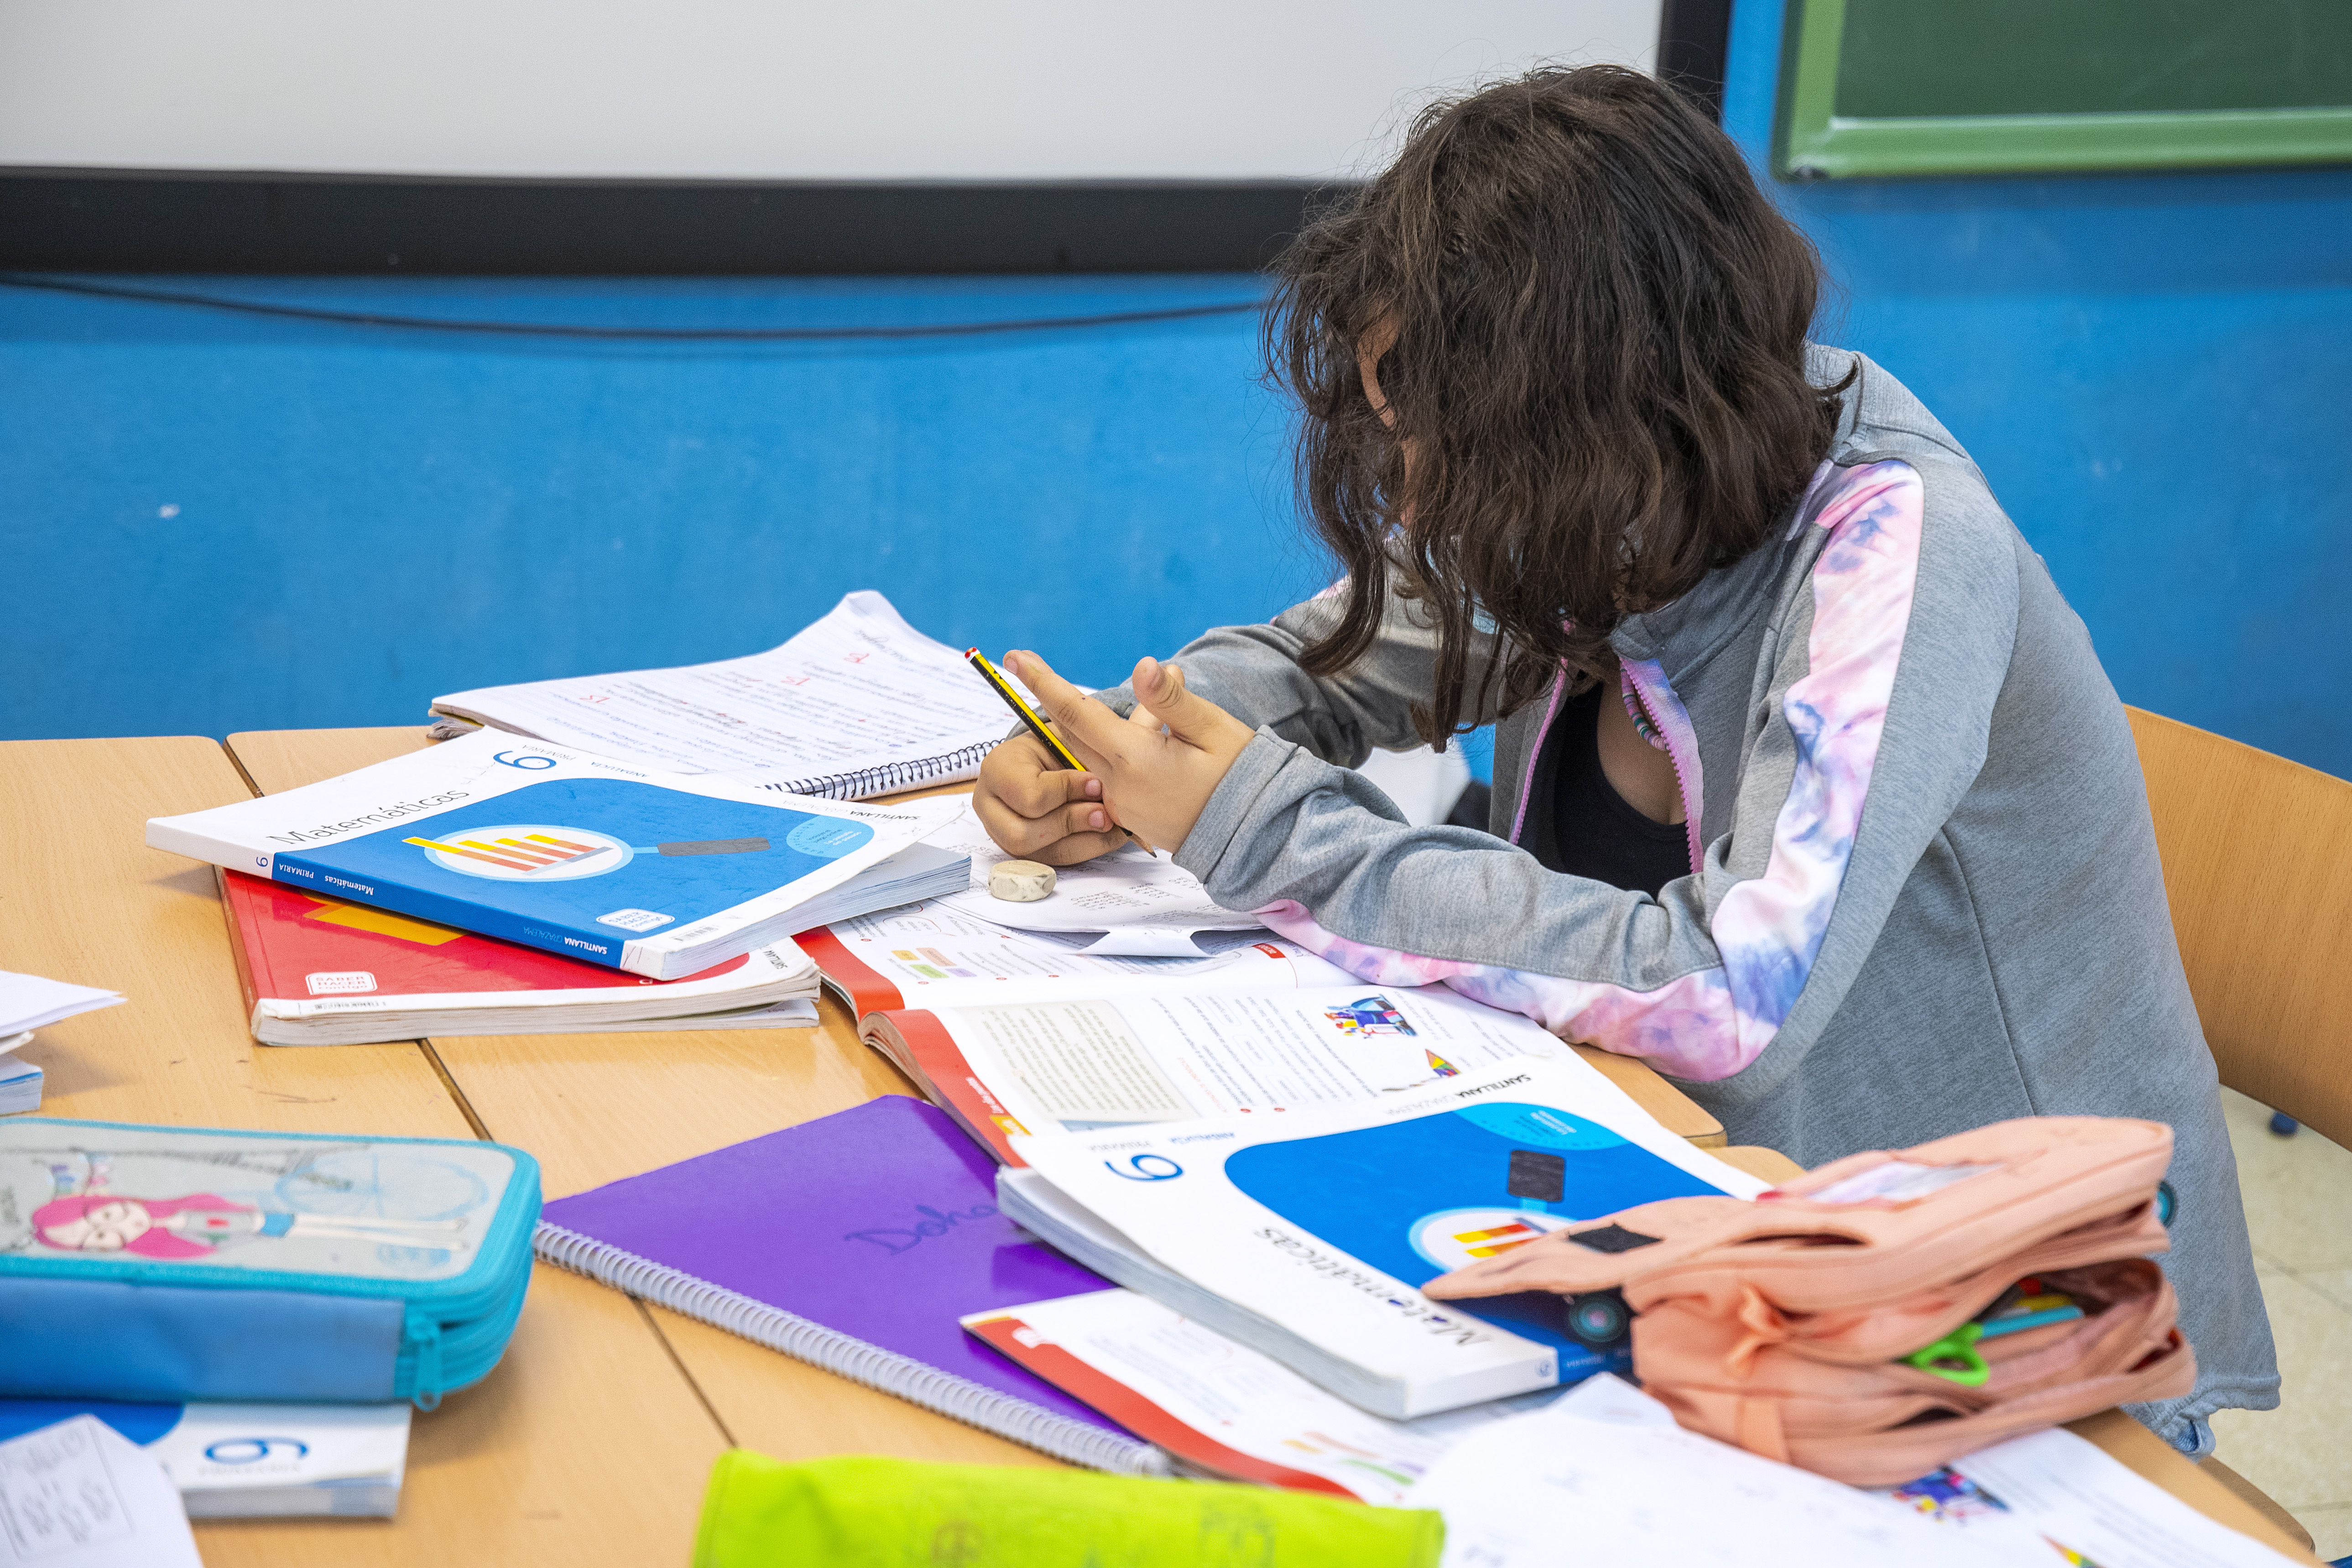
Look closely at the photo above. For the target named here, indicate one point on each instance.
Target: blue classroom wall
(217, 522)
(2154, 372)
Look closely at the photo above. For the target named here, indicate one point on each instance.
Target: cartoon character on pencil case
(1368, 1015)
(200, 1224)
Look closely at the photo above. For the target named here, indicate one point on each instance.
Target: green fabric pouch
(853, 1512)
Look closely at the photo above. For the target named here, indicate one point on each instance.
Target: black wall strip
(89, 221)
(1694, 38)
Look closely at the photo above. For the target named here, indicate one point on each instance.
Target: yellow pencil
(1037, 727)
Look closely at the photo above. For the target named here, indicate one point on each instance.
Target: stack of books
(322, 971)
(483, 887)
(254, 1461)
(29, 1003)
(1161, 1219)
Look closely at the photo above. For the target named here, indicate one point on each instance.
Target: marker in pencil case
(1045, 737)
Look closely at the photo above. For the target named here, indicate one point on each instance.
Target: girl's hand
(1035, 808)
(1157, 769)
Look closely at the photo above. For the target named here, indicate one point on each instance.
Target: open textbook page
(1217, 1405)
(858, 705)
(1307, 1233)
(1083, 1063)
(2061, 1494)
(1128, 901)
(931, 954)
(1603, 1477)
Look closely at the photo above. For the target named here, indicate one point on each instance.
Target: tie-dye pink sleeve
(1767, 929)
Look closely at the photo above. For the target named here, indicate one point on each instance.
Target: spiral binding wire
(861, 784)
(870, 1364)
(888, 777)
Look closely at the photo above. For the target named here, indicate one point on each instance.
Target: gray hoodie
(1924, 895)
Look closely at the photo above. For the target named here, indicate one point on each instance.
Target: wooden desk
(595, 1108)
(83, 899)
(590, 1443)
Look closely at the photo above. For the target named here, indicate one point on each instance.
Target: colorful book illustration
(1235, 1035)
(1306, 1236)
(854, 1242)
(254, 1461)
(300, 1265)
(659, 875)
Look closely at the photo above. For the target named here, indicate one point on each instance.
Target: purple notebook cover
(878, 1222)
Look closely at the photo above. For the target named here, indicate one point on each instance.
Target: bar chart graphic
(1453, 1238)
(519, 852)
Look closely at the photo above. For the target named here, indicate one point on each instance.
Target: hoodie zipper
(1527, 781)
(1629, 681)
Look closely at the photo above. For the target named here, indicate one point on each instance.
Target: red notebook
(321, 972)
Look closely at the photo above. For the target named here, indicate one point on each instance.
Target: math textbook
(1307, 1233)
(319, 971)
(663, 875)
(254, 1461)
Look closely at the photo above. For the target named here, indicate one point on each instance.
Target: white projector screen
(763, 89)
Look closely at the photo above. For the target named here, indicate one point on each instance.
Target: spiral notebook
(857, 705)
(855, 1242)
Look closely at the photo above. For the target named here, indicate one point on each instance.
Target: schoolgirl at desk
(1810, 789)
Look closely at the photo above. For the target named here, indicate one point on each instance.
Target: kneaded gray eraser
(1020, 882)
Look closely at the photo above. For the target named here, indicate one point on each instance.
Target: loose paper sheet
(2060, 1493)
(30, 1002)
(1080, 1064)
(939, 956)
(79, 1495)
(1604, 1478)
(1223, 1406)
(1143, 905)
(857, 691)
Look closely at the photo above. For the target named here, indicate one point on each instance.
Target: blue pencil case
(173, 1263)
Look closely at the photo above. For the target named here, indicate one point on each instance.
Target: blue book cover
(1326, 1221)
(20, 1086)
(659, 874)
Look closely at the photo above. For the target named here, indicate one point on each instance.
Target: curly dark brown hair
(1594, 371)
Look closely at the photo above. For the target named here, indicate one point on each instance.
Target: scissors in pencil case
(2025, 1305)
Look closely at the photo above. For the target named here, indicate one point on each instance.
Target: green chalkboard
(1955, 87)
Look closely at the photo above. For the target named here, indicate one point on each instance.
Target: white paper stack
(859, 704)
(28, 1002)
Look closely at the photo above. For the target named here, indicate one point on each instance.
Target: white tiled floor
(2298, 1195)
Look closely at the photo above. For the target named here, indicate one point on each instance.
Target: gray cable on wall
(657, 334)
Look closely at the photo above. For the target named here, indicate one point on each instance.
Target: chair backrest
(2258, 869)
